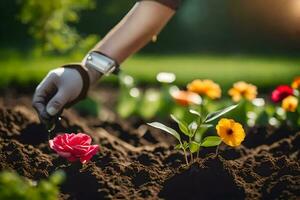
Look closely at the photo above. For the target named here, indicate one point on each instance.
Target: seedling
(194, 131)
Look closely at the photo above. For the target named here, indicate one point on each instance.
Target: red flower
(281, 92)
(74, 147)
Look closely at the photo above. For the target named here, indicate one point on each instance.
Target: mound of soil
(136, 162)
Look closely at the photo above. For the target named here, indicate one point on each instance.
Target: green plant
(129, 96)
(194, 131)
(15, 187)
(147, 103)
(88, 107)
(50, 20)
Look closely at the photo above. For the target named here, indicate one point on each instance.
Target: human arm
(65, 86)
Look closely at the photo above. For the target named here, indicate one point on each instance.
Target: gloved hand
(62, 87)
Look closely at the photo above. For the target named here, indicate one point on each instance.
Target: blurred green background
(256, 41)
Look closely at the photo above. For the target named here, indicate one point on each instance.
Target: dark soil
(136, 162)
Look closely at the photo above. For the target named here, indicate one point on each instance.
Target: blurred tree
(50, 23)
(198, 26)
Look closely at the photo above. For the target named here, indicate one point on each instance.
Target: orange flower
(205, 87)
(296, 83)
(231, 132)
(241, 90)
(290, 104)
(186, 98)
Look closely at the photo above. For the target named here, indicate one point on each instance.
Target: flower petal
(92, 151)
(64, 154)
(80, 138)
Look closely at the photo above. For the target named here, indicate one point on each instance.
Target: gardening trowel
(52, 124)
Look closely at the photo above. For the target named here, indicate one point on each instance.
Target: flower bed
(136, 161)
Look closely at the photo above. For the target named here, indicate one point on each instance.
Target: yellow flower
(231, 132)
(290, 104)
(186, 98)
(296, 83)
(241, 90)
(205, 87)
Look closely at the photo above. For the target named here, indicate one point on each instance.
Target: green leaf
(165, 128)
(206, 125)
(194, 146)
(182, 125)
(193, 127)
(262, 119)
(211, 141)
(57, 177)
(178, 146)
(201, 131)
(194, 112)
(198, 135)
(212, 116)
(185, 145)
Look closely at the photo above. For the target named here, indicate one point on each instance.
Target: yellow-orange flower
(290, 104)
(296, 83)
(231, 132)
(186, 98)
(205, 87)
(241, 90)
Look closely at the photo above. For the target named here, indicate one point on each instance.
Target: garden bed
(136, 161)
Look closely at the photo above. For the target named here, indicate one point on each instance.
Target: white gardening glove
(62, 87)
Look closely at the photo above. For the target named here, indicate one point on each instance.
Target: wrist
(99, 64)
(94, 75)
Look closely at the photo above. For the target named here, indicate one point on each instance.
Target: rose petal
(92, 151)
(85, 139)
(55, 146)
(64, 154)
(80, 138)
(79, 150)
(51, 144)
(68, 148)
(66, 138)
(57, 140)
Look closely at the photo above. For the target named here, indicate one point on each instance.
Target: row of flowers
(254, 109)
(285, 94)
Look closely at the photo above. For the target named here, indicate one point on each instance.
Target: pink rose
(74, 147)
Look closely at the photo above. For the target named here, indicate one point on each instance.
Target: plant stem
(217, 150)
(199, 125)
(197, 155)
(192, 158)
(185, 156)
(184, 151)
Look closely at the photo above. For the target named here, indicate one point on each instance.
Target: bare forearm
(135, 30)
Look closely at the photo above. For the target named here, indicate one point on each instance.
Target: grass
(265, 72)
